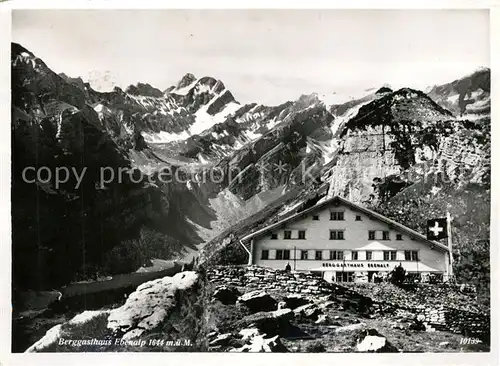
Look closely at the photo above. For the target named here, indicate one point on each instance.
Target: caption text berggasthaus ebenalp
(153, 342)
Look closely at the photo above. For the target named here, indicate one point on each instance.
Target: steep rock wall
(362, 157)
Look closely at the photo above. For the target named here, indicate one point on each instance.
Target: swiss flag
(437, 229)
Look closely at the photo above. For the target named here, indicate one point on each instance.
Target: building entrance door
(344, 277)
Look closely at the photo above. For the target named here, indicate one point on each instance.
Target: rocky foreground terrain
(253, 309)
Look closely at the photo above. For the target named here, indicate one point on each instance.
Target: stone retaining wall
(468, 323)
(449, 319)
(446, 318)
(443, 306)
(271, 280)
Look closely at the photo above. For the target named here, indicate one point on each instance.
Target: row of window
(288, 235)
(336, 216)
(337, 235)
(389, 255)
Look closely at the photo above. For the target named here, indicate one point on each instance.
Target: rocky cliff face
(405, 134)
(387, 136)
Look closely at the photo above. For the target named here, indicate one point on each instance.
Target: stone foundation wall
(468, 323)
(445, 318)
(271, 280)
(446, 307)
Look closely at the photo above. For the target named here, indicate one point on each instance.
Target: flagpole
(343, 265)
(294, 257)
(450, 245)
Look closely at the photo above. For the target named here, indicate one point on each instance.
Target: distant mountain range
(271, 161)
(467, 96)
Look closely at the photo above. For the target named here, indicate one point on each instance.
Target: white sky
(264, 56)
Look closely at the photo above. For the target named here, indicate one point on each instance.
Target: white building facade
(347, 243)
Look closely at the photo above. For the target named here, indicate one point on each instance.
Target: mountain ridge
(469, 95)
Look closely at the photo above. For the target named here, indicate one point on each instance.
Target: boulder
(399, 326)
(149, 305)
(299, 310)
(295, 300)
(350, 328)
(429, 328)
(286, 314)
(228, 295)
(323, 320)
(282, 305)
(258, 301)
(418, 324)
(370, 340)
(261, 344)
(212, 334)
(248, 333)
(270, 323)
(327, 305)
(360, 304)
(312, 313)
(315, 347)
(221, 340)
(61, 330)
(309, 311)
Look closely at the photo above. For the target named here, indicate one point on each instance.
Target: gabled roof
(372, 214)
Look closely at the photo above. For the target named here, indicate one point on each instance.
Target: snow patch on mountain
(467, 95)
(202, 159)
(26, 58)
(204, 120)
(184, 90)
(328, 149)
(164, 137)
(272, 123)
(252, 135)
(338, 98)
(340, 121)
(453, 98)
(101, 111)
(289, 208)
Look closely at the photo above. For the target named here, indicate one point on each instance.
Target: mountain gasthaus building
(346, 242)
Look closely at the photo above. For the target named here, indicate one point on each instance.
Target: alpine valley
(406, 153)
